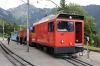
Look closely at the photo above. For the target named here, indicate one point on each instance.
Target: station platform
(41, 58)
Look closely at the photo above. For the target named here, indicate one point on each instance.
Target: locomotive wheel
(70, 55)
(41, 47)
(45, 49)
(51, 51)
(74, 55)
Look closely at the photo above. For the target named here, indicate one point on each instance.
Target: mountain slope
(35, 14)
(6, 15)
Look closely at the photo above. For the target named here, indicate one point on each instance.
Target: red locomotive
(60, 34)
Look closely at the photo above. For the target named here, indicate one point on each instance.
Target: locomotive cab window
(50, 26)
(65, 26)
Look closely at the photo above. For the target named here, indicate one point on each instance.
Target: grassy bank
(92, 48)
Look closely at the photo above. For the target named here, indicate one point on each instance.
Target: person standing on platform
(21, 39)
(25, 40)
(8, 39)
(30, 39)
(17, 39)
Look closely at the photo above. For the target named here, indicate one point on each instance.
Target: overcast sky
(6, 4)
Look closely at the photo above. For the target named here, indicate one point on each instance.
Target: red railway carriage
(24, 34)
(60, 34)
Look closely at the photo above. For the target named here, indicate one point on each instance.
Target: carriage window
(65, 26)
(50, 26)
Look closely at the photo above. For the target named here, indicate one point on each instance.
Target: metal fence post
(87, 39)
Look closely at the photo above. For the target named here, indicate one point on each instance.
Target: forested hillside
(6, 15)
(94, 11)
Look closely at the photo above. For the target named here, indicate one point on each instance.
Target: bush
(97, 40)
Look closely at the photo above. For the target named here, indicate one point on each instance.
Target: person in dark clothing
(17, 39)
(21, 39)
(8, 39)
(25, 40)
(30, 39)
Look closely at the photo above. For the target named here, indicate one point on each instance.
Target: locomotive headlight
(70, 17)
(62, 41)
(77, 40)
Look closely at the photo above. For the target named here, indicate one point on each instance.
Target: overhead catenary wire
(53, 2)
(39, 2)
(42, 10)
(23, 1)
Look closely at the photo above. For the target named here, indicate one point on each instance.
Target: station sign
(31, 28)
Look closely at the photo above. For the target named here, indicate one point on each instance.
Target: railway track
(77, 62)
(14, 58)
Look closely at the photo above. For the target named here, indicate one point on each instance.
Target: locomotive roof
(60, 15)
(50, 17)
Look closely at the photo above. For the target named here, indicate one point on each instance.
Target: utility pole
(3, 30)
(27, 25)
(14, 29)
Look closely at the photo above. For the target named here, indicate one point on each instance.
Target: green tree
(96, 40)
(63, 5)
(24, 26)
(8, 28)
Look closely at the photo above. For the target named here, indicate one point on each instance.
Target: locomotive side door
(51, 33)
(78, 33)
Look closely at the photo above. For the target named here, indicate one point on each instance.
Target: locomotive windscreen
(68, 16)
(65, 26)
